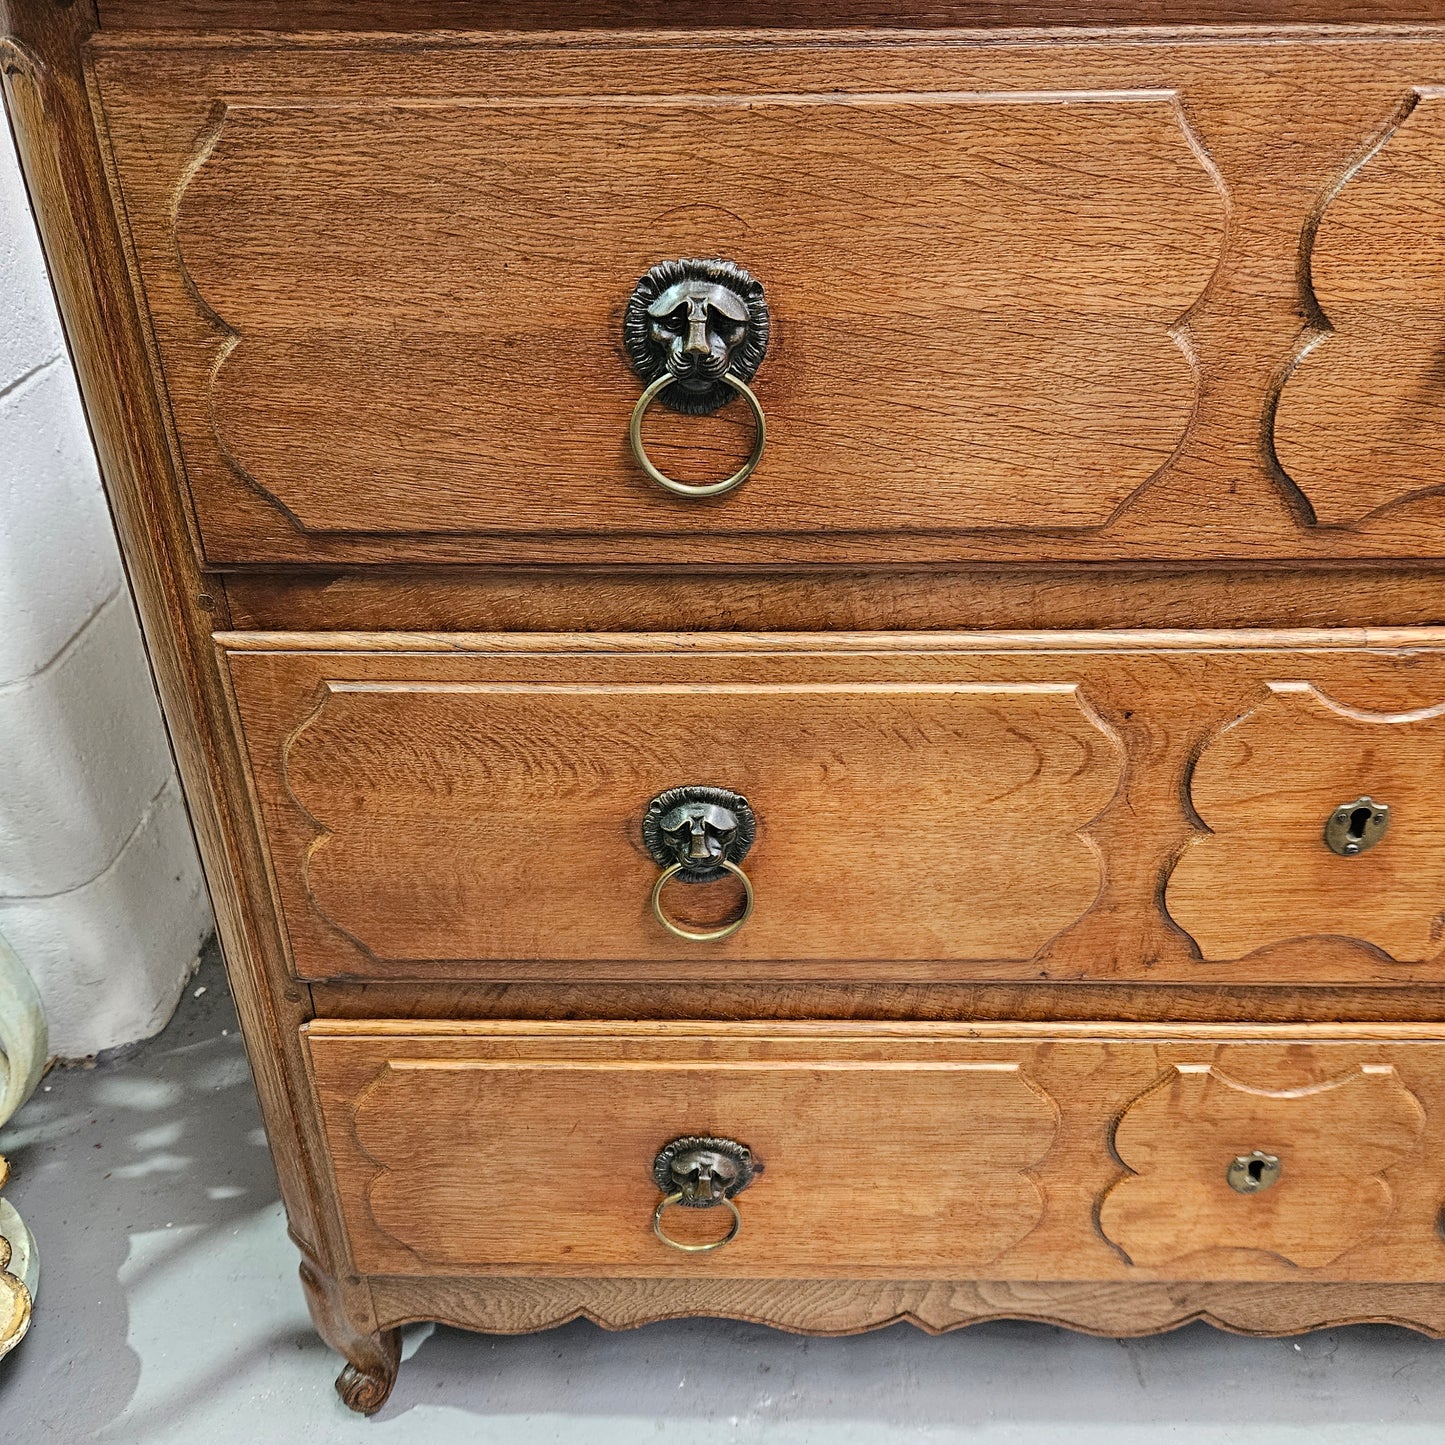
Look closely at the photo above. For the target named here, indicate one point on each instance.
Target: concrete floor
(170, 1314)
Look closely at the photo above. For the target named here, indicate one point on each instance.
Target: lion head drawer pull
(1355, 828)
(702, 1172)
(696, 332)
(1251, 1173)
(699, 834)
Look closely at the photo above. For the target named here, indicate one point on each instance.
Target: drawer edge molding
(1096, 1030)
(824, 643)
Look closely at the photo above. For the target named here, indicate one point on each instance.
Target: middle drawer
(1242, 807)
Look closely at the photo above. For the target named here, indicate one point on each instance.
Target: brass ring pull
(711, 935)
(671, 1243)
(701, 1171)
(706, 489)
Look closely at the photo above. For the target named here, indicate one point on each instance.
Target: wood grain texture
(1031, 1001)
(932, 807)
(1361, 420)
(845, 1307)
(1264, 788)
(468, 15)
(467, 599)
(470, 1189)
(889, 1150)
(487, 821)
(955, 250)
(1334, 1142)
(942, 369)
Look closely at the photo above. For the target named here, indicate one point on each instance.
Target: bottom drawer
(913, 1151)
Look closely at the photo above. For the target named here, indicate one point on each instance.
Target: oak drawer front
(387, 288)
(1234, 807)
(918, 1151)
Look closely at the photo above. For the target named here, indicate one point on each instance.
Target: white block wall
(100, 891)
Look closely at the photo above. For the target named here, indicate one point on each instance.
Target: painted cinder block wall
(100, 891)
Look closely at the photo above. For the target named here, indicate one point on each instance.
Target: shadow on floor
(170, 1314)
(162, 1149)
(1025, 1382)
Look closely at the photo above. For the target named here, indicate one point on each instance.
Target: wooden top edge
(870, 37)
(891, 643)
(1091, 1032)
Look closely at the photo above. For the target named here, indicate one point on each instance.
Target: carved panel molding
(484, 1164)
(1360, 423)
(484, 822)
(1264, 788)
(1025, 262)
(1331, 1141)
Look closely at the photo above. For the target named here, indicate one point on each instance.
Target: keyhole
(1253, 1172)
(1359, 821)
(1355, 827)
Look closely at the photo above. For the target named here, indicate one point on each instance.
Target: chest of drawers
(809, 657)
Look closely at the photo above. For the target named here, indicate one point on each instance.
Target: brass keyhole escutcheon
(702, 1171)
(1354, 828)
(1251, 1173)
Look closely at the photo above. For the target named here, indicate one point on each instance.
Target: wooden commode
(809, 657)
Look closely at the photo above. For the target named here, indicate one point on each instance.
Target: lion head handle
(697, 321)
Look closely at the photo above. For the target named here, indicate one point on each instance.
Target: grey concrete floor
(170, 1314)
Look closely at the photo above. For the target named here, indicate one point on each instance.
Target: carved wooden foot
(365, 1381)
(372, 1357)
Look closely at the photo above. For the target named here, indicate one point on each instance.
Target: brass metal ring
(672, 1243)
(711, 935)
(706, 489)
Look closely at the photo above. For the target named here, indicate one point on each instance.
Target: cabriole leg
(372, 1357)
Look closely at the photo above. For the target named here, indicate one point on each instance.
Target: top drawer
(1024, 302)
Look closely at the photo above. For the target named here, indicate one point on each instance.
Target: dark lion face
(701, 827)
(699, 833)
(696, 321)
(699, 326)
